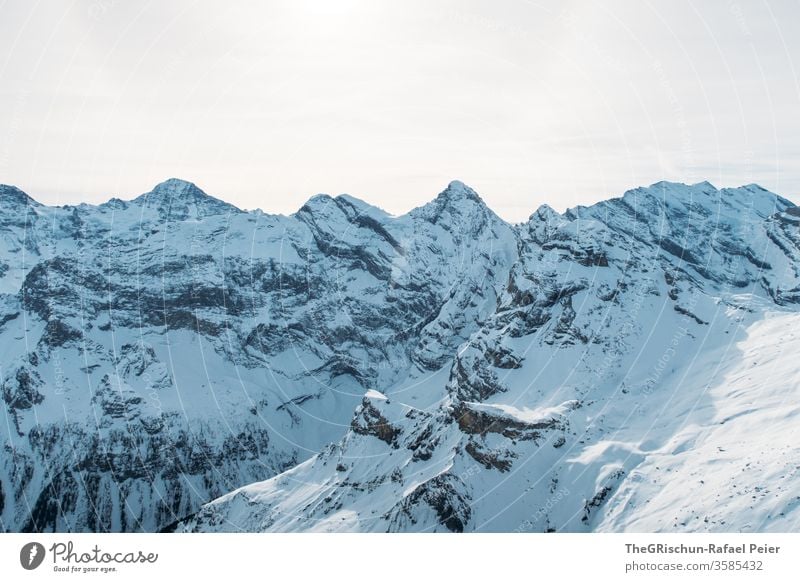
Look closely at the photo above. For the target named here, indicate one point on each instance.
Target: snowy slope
(636, 374)
(731, 462)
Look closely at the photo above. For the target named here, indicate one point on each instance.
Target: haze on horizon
(265, 106)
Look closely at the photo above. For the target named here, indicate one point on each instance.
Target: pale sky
(528, 102)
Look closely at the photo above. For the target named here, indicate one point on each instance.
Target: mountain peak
(180, 188)
(545, 212)
(13, 196)
(456, 207)
(318, 205)
(360, 205)
(705, 186)
(326, 206)
(751, 198)
(458, 191)
(182, 199)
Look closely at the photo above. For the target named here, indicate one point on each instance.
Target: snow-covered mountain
(160, 352)
(624, 366)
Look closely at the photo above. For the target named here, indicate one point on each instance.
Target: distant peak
(545, 212)
(182, 199)
(13, 195)
(176, 186)
(321, 198)
(350, 206)
(456, 206)
(705, 185)
(665, 185)
(356, 202)
(317, 203)
(674, 190)
(702, 198)
(456, 190)
(457, 184)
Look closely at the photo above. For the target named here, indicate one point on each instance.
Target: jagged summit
(705, 192)
(457, 191)
(315, 201)
(179, 185)
(705, 185)
(455, 196)
(322, 208)
(180, 199)
(545, 212)
(361, 206)
(174, 189)
(11, 195)
(457, 205)
(688, 201)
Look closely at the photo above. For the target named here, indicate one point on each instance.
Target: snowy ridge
(341, 369)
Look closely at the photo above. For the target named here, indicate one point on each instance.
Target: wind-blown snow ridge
(342, 369)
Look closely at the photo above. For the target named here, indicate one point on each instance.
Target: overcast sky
(528, 102)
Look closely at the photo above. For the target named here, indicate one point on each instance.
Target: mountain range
(174, 363)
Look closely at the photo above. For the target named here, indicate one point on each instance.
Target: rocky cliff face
(160, 352)
(625, 380)
(438, 371)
